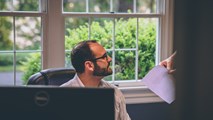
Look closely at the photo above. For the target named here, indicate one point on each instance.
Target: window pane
(21, 58)
(28, 64)
(74, 5)
(101, 30)
(76, 31)
(123, 6)
(125, 33)
(26, 5)
(28, 33)
(5, 5)
(146, 6)
(6, 69)
(6, 34)
(68, 63)
(124, 65)
(99, 5)
(146, 45)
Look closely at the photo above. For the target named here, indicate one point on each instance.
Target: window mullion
(14, 50)
(113, 51)
(111, 5)
(12, 6)
(87, 6)
(134, 6)
(136, 53)
(42, 6)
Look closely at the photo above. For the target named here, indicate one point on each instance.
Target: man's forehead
(97, 48)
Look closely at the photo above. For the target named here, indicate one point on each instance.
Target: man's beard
(98, 71)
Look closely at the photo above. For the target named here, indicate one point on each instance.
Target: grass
(9, 68)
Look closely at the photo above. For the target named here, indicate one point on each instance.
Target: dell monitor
(56, 103)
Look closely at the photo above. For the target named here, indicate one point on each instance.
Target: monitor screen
(56, 103)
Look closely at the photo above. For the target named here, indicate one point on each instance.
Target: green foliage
(125, 38)
(31, 66)
(27, 5)
(7, 59)
(5, 29)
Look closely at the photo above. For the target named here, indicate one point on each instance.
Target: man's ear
(89, 65)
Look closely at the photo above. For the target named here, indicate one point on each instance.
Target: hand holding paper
(161, 83)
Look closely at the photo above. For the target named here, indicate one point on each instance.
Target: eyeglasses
(105, 56)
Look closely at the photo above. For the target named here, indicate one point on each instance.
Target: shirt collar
(80, 84)
(78, 81)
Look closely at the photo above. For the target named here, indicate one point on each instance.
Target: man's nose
(109, 58)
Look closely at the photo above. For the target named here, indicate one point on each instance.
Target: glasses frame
(105, 55)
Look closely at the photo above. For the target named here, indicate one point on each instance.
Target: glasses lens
(105, 56)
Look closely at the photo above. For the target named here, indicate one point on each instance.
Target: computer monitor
(56, 103)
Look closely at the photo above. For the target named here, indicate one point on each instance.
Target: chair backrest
(53, 76)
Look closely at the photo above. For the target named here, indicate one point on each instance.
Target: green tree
(5, 29)
(31, 66)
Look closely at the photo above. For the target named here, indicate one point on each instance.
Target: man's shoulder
(110, 85)
(107, 84)
(68, 83)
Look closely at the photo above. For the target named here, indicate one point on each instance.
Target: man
(91, 63)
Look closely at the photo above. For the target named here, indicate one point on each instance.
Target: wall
(150, 111)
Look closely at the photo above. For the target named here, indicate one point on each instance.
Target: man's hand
(169, 63)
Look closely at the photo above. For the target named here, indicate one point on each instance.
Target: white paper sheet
(161, 83)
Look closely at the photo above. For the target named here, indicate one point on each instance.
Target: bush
(31, 66)
(7, 59)
(125, 38)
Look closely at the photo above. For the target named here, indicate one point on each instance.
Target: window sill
(138, 95)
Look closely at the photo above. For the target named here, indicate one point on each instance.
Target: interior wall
(149, 111)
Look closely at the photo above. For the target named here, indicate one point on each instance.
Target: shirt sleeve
(120, 106)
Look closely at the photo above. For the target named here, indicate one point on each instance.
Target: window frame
(53, 50)
(41, 13)
(137, 92)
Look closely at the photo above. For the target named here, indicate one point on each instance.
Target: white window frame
(12, 13)
(54, 50)
(134, 92)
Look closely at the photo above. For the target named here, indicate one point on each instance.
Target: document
(161, 83)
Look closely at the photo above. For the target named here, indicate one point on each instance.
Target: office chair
(53, 76)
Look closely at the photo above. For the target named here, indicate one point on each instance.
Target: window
(131, 31)
(128, 29)
(21, 38)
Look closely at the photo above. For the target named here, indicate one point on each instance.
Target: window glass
(125, 32)
(20, 41)
(102, 30)
(146, 45)
(26, 5)
(28, 33)
(123, 6)
(6, 69)
(6, 33)
(5, 5)
(76, 30)
(99, 5)
(29, 64)
(19, 5)
(124, 65)
(130, 40)
(74, 5)
(146, 6)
